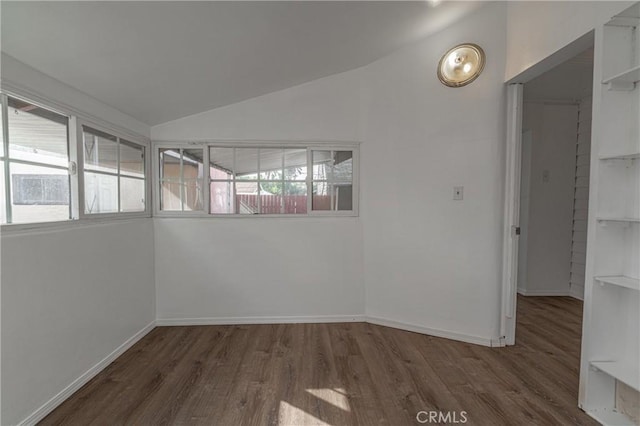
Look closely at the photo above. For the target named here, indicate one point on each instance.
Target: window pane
(170, 164)
(221, 163)
(322, 163)
(246, 163)
(247, 203)
(181, 189)
(295, 197)
(192, 197)
(321, 199)
(132, 195)
(3, 202)
(192, 163)
(170, 196)
(246, 197)
(131, 159)
(343, 197)
(222, 197)
(333, 166)
(271, 163)
(36, 134)
(100, 151)
(328, 196)
(192, 174)
(100, 193)
(39, 194)
(271, 198)
(295, 164)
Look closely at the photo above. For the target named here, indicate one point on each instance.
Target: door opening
(547, 188)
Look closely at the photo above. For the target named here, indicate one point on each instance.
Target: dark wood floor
(339, 374)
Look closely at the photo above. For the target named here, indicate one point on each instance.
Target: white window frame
(205, 145)
(77, 119)
(80, 174)
(4, 105)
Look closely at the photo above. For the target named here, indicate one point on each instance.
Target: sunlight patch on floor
(336, 397)
(289, 415)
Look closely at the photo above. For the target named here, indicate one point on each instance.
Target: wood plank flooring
(339, 374)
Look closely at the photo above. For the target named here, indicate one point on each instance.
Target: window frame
(76, 119)
(158, 181)
(206, 145)
(6, 160)
(80, 124)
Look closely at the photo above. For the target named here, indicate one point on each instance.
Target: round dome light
(461, 65)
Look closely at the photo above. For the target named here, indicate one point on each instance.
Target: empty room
(319, 213)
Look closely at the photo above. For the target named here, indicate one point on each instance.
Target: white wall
(72, 295)
(235, 268)
(547, 223)
(536, 30)
(69, 298)
(428, 261)
(431, 261)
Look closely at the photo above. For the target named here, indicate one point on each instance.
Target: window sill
(39, 227)
(194, 215)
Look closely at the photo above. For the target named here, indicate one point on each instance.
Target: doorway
(547, 185)
(553, 209)
(554, 189)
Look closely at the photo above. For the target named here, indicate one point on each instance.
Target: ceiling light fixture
(461, 65)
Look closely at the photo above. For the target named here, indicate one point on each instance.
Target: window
(34, 161)
(181, 177)
(257, 180)
(332, 180)
(114, 173)
(39, 154)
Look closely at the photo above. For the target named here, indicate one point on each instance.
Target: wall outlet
(458, 192)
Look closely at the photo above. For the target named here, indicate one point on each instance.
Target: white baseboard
(478, 340)
(50, 405)
(259, 320)
(329, 319)
(526, 292)
(577, 292)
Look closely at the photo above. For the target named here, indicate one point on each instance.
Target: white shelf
(625, 78)
(611, 418)
(630, 156)
(627, 374)
(621, 281)
(618, 219)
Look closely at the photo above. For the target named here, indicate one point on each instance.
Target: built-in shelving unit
(621, 281)
(627, 373)
(607, 417)
(629, 156)
(610, 370)
(626, 78)
(619, 219)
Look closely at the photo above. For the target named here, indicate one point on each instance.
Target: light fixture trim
(478, 62)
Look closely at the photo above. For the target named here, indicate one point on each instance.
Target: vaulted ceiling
(159, 61)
